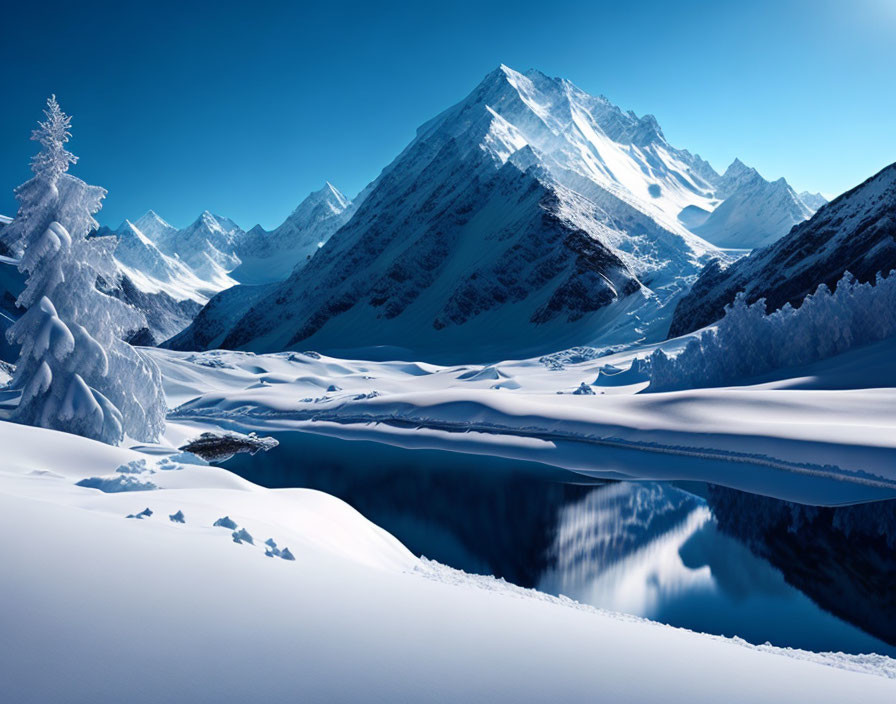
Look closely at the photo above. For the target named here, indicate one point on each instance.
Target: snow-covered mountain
(207, 246)
(754, 212)
(855, 232)
(169, 273)
(152, 270)
(813, 200)
(271, 256)
(160, 284)
(529, 214)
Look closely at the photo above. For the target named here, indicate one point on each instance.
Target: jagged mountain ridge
(754, 212)
(855, 232)
(169, 273)
(266, 257)
(813, 200)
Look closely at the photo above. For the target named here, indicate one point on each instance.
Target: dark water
(699, 557)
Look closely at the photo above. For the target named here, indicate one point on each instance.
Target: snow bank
(182, 613)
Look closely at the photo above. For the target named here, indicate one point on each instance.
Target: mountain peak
(739, 168)
(150, 220)
(331, 193)
(326, 201)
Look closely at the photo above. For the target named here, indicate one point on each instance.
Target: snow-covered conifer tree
(74, 371)
(748, 342)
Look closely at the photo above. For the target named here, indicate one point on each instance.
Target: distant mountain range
(754, 212)
(529, 216)
(170, 273)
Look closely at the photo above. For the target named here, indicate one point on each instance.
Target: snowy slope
(271, 256)
(754, 213)
(180, 611)
(221, 313)
(854, 232)
(528, 212)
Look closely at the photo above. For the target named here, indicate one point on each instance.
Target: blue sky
(243, 108)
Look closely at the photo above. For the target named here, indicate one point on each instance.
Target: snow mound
(113, 485)
(637, 373)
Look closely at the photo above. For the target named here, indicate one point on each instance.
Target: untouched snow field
(798, 436)
(168, 607)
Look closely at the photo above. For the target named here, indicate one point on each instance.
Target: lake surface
(698, 557)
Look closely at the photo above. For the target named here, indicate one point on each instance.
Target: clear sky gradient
(243, 108)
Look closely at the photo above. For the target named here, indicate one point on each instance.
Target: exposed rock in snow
(145, 513)
(854, 232)
(165, 315)
(242, 536)
(217, 447)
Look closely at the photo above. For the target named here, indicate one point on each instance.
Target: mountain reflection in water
(707, 559)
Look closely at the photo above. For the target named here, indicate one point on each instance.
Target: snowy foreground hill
(530, 212)
(195, 585)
